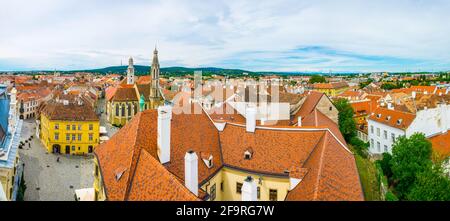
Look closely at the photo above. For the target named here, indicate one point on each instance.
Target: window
(56, 136)
(385, 134)
(117, 110)
(67, 137)
(273, 195)
(259, 192)
(385, 148)
(56, 126)
(393, 137)
(129, 110)
(221, 186)
(123, 110)
(73, 148)
(378, 131)
(67, 127)
(378, 147)
(331, 108)
(73, 136)
(91, 127)
(79, 137)
(79, 126)
(239, 188)
(371, 129)
(213, 192)
(74, 127)
(91, 137)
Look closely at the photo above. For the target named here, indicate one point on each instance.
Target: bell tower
(130, 71)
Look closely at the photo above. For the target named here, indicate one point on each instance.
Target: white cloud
(71, 34)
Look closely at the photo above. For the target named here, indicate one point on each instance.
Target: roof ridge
(316, 187)
(133, 155)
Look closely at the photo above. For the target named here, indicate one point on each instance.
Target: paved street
(46, 179)
(103, 122)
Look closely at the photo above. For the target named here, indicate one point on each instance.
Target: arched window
(129, 109)
(117, 110)
(123, 110)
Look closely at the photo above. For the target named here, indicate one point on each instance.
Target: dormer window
(388, 118)
(399, 121)
(378, 115)
(248, 154)
(207, 159)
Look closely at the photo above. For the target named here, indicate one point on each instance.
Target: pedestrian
(57, 159)
(29, 145)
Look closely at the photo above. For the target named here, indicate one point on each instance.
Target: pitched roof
(123, 93)
(332, 175)
(393, 118)
(333, 85)
(441, 144)
(275, 150)
(70, 112)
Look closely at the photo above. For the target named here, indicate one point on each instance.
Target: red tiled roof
(274, 152)
(334, 85)
(441, 144)
(393, 118)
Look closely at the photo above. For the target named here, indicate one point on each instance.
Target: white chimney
(191, 171)
(299, 121)
(250, 117)
(164, 118)
(249, 190)
(390, 106)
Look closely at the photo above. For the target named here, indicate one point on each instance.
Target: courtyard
(46, 178)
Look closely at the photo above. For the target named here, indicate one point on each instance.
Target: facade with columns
(127, 99)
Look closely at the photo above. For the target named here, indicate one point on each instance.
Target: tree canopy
(410, 156)
(317, 79)
(347, 124)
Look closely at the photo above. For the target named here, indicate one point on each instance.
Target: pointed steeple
(154, 71)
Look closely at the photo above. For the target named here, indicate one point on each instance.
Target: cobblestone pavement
(45, 178)
(103, 122)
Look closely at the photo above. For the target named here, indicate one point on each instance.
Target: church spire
(154, 72)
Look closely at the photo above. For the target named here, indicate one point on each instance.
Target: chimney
(249, 190)
(250, 117)
(413, 95)
(390, 106)
(164, 118)
(191, 171)
(299, 121)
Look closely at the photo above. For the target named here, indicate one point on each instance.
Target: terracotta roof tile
(393, 118)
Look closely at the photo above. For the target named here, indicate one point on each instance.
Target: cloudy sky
(274, 35)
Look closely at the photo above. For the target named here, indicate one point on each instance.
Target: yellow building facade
(60, 134)
(226, 185)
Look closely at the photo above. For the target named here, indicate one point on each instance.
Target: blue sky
(275, 35)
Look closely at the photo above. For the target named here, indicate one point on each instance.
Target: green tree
(385, 165)
(317, 79)
(431, 184)
(410, 156)
(347, 124)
